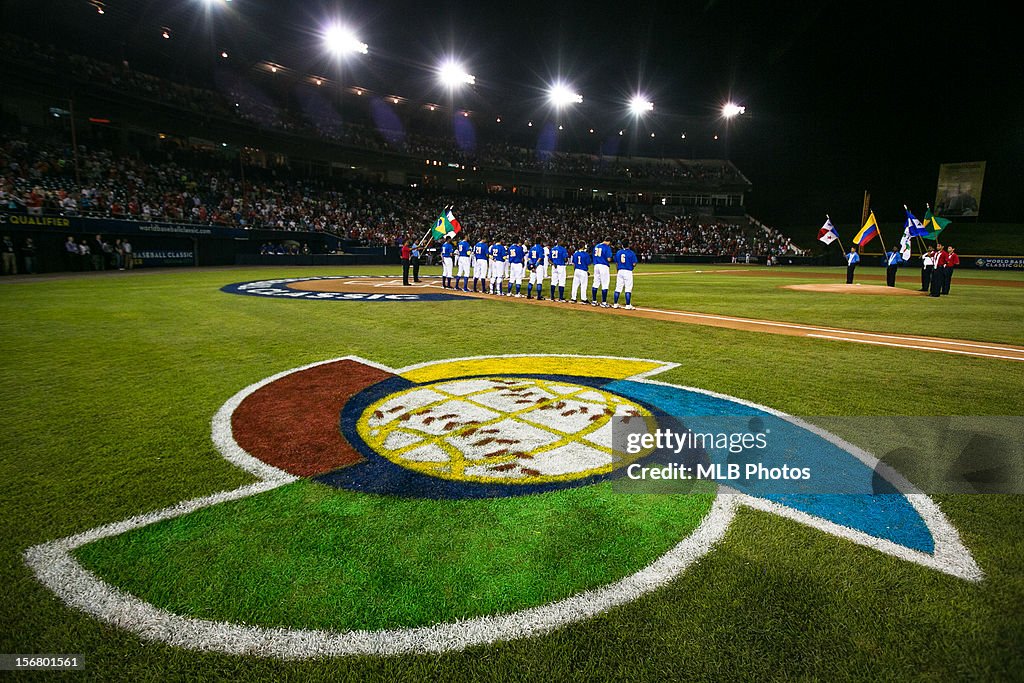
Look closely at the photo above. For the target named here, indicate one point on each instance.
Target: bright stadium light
(562, 95)
(640, 105)
(452, 74)
(341, 41)
(730, 110)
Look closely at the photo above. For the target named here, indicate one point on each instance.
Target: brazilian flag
(934, 224)
(446, 224)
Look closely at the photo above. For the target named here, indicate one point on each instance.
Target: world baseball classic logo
(444, 490)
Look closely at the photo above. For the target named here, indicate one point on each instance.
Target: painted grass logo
(492, 474)
(358, 288)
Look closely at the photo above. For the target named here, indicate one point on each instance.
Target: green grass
(110, 384)
(310, 556)
(958, 316)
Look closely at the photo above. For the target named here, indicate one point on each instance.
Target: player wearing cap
(580, 275)
(559, 257)
(516, 266)
(465, 254)
(602, 258)
(625, 261)
(447, 262)
(480, 265)
(498, 254)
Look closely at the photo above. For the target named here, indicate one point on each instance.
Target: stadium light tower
(561, 95)
(452, 75)
(341, 41)
(640, 105)
(732, 110)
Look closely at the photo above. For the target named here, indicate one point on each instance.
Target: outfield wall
(154, 244)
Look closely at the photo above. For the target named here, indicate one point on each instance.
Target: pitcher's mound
(843, 288)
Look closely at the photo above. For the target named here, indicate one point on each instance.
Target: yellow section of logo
(505, 430)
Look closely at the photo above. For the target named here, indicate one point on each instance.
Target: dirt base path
(386, 285)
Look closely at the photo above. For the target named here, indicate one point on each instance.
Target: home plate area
(492, 430)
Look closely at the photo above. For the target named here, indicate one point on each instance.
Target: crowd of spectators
(197, 186)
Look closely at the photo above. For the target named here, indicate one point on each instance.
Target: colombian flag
(868, 232)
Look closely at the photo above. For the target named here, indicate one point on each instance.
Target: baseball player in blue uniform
(602, 259)
(625, 261)
(535, 263)
(516, 266)
(464, 252)
(498, 254)
(559, 257)
(580, 275)
(480, 264)
(447, 262)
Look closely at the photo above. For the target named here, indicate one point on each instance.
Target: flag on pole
(456, 226)
(933, 225)
(446, 225)
(905, 242)
(868, 232)
(828, 233)
(914, 226)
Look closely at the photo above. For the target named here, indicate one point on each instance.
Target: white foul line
(914, 346)
(811, 328)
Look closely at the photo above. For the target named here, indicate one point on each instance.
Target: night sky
(840, 97)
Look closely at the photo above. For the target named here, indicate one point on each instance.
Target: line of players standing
(491, 263)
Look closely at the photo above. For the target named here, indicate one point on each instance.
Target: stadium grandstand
(348, 170)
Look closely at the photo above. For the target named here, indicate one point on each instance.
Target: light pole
(453, 75)
(730, 110)
(340, 42)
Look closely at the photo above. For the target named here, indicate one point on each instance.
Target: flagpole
(880, 238)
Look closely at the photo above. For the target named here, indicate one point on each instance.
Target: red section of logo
(292, 423)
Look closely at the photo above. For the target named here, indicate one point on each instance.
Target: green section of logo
(310, 556)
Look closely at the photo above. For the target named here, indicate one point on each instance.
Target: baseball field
(175, 507)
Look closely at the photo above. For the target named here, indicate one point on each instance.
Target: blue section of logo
(869, 503)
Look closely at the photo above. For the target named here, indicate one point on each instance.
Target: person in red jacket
(952, 261)
(939, 273)
(406, 257)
